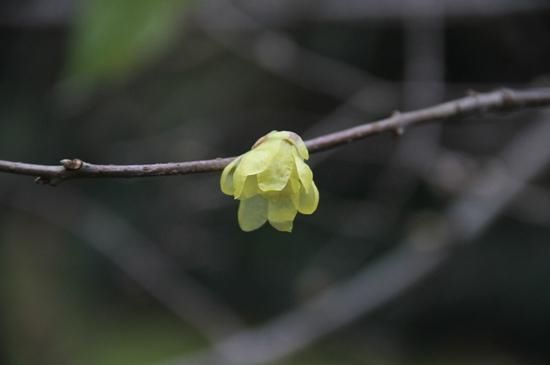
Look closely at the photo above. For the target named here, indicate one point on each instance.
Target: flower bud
(272, 182)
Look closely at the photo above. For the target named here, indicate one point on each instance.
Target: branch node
(72, 164)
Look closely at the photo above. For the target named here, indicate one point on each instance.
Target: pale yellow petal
(309, 200)
(302, 150)
(252, 213)
(253, 162)
(257, 159)
(304, 172)
(276, 176)
(226, 180)
(293, 189)
(277, 135)
(238, 183)
(250, 188)
(291, 137)
(282, 226)
(298, 142)
(281, 209)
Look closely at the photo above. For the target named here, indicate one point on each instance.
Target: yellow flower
(272, 182)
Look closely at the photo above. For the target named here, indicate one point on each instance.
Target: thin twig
(501, 100)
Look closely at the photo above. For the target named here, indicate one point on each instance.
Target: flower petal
(257, 159)
(254, 162)
(281, 209)
(302, 149)
(298, 142)
(309, 200)
(250, 188)
(293, 188)
(281, 135)
(282, 226)
(276, 176)
(293, 138)
(226, 181)
(252, 213)
(304, 172)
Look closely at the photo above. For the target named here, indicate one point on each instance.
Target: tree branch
(502, 100)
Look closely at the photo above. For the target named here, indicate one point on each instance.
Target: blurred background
(428, 247)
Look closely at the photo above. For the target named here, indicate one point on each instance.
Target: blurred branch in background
(503, 100)
(425, 55)
(424, 61)
(417, 149)
(424, 65)
(286, 12)
(429, 243)
(278, 54)
(138, 257)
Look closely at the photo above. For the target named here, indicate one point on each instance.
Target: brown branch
(75, 168)
(501, 100)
